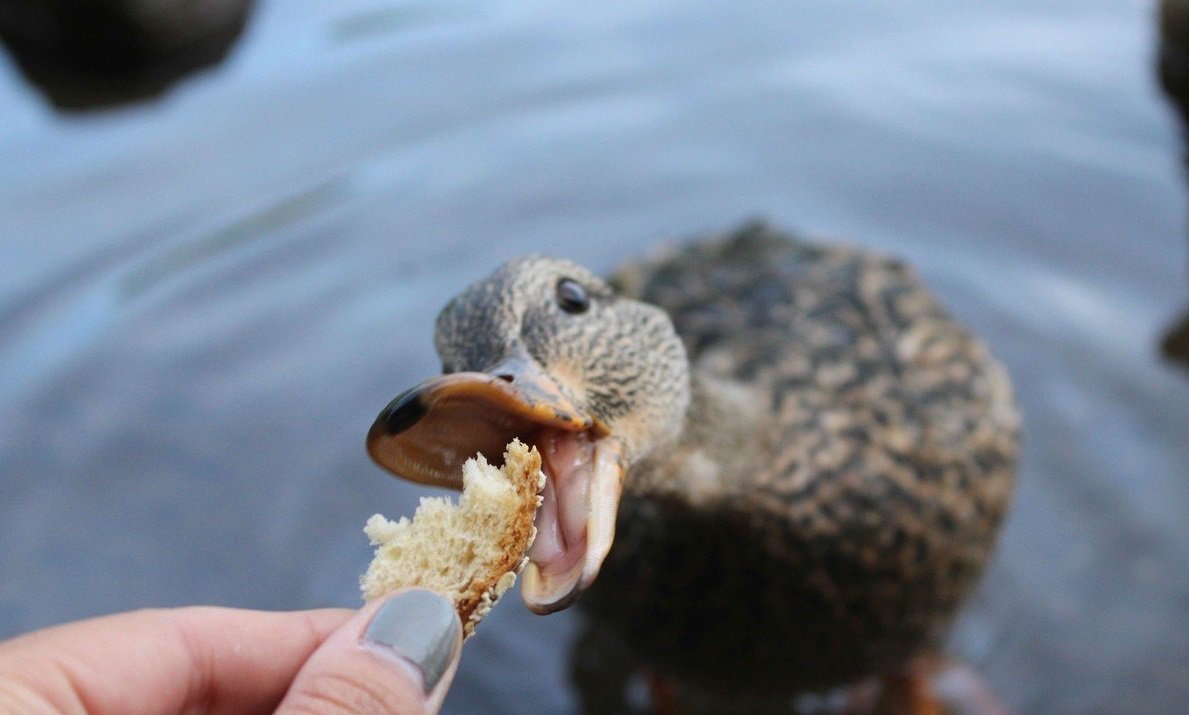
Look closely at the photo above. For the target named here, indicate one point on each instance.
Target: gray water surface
(206, 299)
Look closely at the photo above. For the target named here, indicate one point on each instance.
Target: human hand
(395, 655)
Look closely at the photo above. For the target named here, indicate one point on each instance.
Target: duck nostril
(506, 377)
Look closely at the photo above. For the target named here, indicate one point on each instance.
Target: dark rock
(1172, 65)
(1173, 53)
(1175, 345)
(88, 53)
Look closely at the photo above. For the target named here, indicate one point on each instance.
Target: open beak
(427, 432)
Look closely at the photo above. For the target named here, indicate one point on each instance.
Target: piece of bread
(469, 551)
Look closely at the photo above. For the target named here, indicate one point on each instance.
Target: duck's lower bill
(576, 521)
(425, 435)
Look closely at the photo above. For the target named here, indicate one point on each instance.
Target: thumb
(396, 655)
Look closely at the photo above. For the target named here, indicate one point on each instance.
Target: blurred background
(225, 234)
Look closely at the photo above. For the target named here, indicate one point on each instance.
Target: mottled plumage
(620, 358)
(865, 444)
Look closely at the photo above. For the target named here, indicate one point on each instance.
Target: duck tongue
(561, 520)
(576, 521)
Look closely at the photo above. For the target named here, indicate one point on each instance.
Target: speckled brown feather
(620, 360)
(862, 448)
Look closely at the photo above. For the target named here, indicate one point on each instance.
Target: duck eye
(571, 296)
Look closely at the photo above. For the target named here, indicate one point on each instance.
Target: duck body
(846, 461)
(772, 466)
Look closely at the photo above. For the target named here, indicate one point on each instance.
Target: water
(205, 299)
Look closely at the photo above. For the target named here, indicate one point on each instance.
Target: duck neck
(719, 444)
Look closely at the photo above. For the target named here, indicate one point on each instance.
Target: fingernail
(419, 626)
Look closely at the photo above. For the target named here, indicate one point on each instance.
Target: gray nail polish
(419, 626)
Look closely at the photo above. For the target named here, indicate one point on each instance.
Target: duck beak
(427, 432)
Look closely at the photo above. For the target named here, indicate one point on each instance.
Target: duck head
(545, 351)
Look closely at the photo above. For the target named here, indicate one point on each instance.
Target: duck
(773, 466)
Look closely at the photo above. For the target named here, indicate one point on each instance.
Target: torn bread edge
(470, 551)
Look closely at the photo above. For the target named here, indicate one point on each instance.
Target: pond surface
(206, 299)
